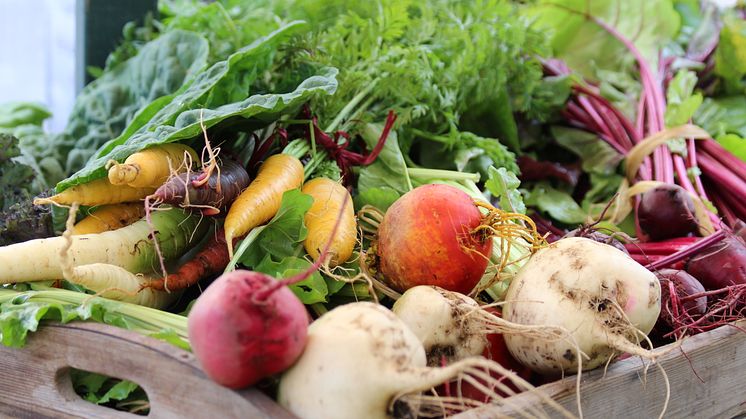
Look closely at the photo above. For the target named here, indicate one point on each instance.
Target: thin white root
(476, 371)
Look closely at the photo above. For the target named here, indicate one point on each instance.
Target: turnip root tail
(476, 371)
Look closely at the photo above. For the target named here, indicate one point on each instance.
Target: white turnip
(360, 358)
(605, 300)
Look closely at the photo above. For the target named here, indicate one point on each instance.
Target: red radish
(720, 265)
(247, 325)
(429, 237)
(666, 211)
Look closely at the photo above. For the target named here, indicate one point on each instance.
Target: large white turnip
(360, 358)
(606, 302)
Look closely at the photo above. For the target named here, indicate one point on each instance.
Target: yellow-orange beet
(328, 197)
(152, 167)
(110, 217)
(258, 203)
(427, 238)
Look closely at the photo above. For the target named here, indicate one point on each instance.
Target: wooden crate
(704, 372)
(36, 380)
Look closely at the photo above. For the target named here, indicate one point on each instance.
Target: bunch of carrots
(152, 209)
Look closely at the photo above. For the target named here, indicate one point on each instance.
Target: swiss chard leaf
(107, 105)
(178, 117)
(597, 155)
(14, 114)
(21, 312)
(381, 197)
(733, 143)
(682, 102)
(586, 47)
(504, 185)
(730, 56)
(557, 203)
(725, 115)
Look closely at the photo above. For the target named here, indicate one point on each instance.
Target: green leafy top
(216, 94)
(588, 48)
(13, 114)
(730, 56)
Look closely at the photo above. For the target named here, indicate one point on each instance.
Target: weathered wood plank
(36, 380)
(718, 357)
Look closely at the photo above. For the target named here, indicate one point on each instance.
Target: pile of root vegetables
(407, 210)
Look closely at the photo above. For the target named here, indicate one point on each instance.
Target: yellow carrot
(258, 203)
(110, 217)
(152, 167)
(96, 192)
(328, 197)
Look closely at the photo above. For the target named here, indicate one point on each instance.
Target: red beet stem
(686, 252)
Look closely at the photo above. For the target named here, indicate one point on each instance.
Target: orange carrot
(210, 260)
(258, 203)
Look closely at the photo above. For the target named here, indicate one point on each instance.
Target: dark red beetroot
(427, 238)
(683, 285)
(238, 340)
(666, 211)
(720, 265)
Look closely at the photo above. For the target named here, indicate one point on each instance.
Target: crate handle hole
(111, 392)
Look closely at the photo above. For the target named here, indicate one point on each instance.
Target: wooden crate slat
(35, 377)
(718, 357)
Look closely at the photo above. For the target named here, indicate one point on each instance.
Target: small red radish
(437, 235)
(247, 325)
